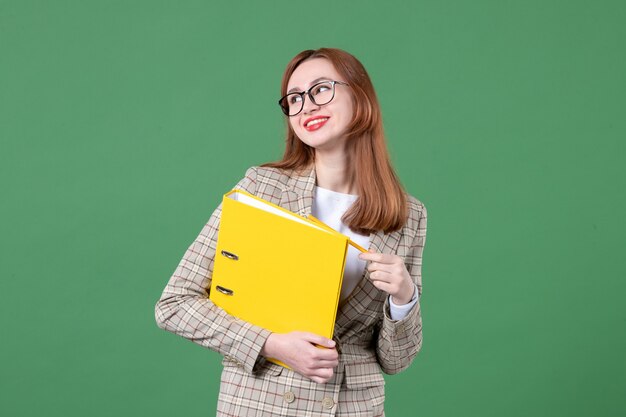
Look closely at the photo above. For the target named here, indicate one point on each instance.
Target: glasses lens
(323, 93)
(291, 104)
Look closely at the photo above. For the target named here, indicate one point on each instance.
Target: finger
(322, 373)
(377, 257)
(323, 363)
(316, 365)
(377, 266)
(370, 256)
(381, 276)
(325, 354)
(383, 286)
(393, 290)
(318, 379)
(317, 339)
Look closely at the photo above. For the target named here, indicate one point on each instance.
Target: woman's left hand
(388, 273)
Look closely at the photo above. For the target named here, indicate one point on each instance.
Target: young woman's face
(321, 127)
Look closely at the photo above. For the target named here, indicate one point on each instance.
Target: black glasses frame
(285, 108)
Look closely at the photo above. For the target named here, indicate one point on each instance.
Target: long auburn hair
(382, 202)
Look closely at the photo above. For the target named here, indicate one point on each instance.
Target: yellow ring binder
(289, 271)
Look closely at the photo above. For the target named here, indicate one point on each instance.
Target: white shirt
(329, 206)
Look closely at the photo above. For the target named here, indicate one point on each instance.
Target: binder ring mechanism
(223, 290)
(230, 255)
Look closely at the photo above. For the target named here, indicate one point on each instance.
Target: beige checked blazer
(367, 339)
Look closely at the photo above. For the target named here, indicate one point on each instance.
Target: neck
(331, 172)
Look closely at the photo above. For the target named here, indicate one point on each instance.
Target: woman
(336, 167)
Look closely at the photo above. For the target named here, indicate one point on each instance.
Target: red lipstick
(315, 122)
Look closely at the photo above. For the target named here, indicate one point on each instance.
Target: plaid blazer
(368, 340)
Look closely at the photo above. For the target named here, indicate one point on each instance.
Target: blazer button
(328, 402)
(289, 397)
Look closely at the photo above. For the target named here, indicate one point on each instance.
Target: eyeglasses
(320, 94)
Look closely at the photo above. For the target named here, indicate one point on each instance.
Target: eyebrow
(312, 82)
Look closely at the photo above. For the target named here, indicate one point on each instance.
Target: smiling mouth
(315, 123)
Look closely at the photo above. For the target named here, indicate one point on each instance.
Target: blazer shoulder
(267, 181)
(417, 212)
(416, 207)
(271, 175)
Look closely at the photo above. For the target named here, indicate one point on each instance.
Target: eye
(294, 98)
(320, 88)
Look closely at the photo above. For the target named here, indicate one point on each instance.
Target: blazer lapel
(365, 293)
(298, 193)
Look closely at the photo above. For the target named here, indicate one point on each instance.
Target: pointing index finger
(372, 256)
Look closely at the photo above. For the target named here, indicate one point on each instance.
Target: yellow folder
(276, 269)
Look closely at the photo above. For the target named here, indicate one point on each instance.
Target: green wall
(122, 123)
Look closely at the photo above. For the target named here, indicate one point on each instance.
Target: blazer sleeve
(398, 342)
(185, 309)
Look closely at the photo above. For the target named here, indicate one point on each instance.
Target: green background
(122, 123)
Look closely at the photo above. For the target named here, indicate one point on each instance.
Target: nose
(308, 105)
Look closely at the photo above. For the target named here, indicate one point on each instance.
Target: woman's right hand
(298, 350)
